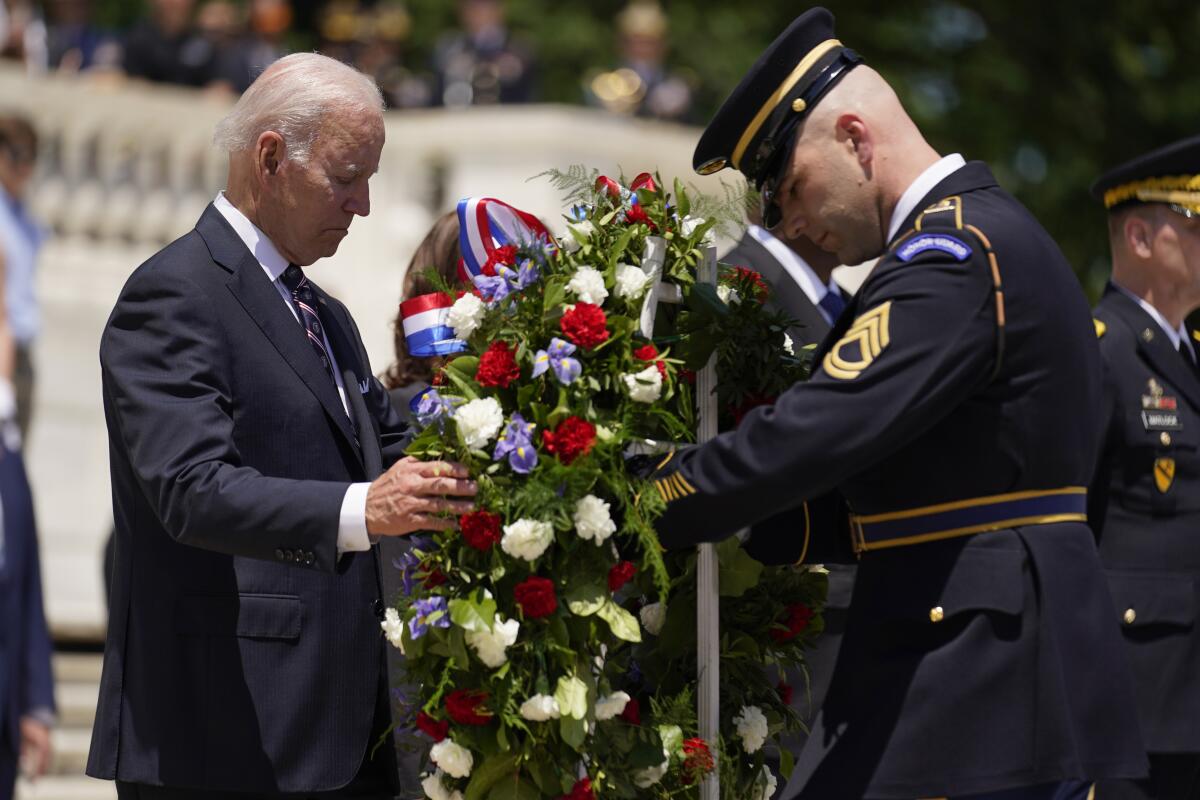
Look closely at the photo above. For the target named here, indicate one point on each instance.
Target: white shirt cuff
(352, 524)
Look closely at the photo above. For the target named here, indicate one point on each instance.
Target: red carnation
(740, 276)
(466, 707)
(636, 214)
(650, 353)
(644, 181)
(480, 529)
(506, 255)
(697, 759)
(632, 712)
(621, 573)
(785, 692)
(573, 437)
(497, 367)
(797, 617)
(688, 376)
(536, 597)
(584, 325)
(433, 728)
(434, 578)
(582, 790)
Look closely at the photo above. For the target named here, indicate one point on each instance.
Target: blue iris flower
(430, 611)
(516, 444)
(558, 358)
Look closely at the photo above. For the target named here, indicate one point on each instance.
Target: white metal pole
(708, 629)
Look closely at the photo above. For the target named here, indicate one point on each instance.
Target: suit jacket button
(936, 614)
(279, 554)
(1165, 438)
(377, 608)
(308, 559)
(1130, 616)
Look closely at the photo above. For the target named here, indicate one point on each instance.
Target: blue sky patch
(934, 241)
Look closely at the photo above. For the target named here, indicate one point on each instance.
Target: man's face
(826, 196)
(315, 202)
(1176, 246)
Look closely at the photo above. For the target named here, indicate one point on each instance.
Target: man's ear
(855, 133)
(1139, 235)
(269, 154)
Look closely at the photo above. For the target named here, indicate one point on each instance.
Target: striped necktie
(833, 304)
(306, 304)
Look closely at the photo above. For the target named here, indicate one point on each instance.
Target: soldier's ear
(854, 131)
(1139, 235)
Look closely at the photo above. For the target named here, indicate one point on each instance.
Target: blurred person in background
(380, 54)
(20, 241)
(23, 34)
(74, 42)
(166, 47)
(26, 676)
(483, 63)
(245, 41)
(642, 85)
(410, 375)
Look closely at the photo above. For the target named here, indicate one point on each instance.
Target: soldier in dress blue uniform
(953, 408)
(1144, 503)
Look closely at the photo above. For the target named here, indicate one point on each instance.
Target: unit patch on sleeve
(934, 241)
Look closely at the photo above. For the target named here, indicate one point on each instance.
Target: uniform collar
(1176, 336)
(256, 241)
(934, 174)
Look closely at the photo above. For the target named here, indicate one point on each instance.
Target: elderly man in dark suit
(248, 446)
(26, 682)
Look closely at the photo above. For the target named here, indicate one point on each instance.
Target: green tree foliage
(1049, 93)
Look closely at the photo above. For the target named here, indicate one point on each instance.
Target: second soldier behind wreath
(952, 406)
(1145, 499)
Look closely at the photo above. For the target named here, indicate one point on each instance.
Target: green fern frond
(577, 184)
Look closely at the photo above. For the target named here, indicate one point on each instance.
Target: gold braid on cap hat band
(777, 96)
(1181, 189)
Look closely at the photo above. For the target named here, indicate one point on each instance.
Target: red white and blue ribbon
(486, 224)
(426, 330)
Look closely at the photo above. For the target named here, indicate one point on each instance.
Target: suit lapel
(1154, 346)
(355, 378)
(261, 300)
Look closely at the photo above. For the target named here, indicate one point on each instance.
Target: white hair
(292, 97)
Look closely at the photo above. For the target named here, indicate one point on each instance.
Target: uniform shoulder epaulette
(947, 212)
(1101, 328)
(1196, 336)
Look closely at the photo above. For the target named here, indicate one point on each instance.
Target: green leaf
(738, 571)
(458, 649)
(586, 599)
(488, 773)
(515, 789)
(556, 292)
(558, 632)
(543, 774)
(624, 625)
(787, 762)
(571, 694)
(476, 614)
(573, 731)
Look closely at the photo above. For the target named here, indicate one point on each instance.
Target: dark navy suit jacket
(26, 682)
(242, 654)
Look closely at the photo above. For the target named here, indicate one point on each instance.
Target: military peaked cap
(1168, 175)
(752, 130)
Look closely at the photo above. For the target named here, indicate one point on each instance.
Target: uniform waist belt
(967, 517)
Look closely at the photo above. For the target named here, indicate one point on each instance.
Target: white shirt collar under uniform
(796, 267)
(1176, 336)
(933, 175)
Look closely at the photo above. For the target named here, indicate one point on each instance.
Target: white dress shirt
(1176, 336)
(923, 185)
(795, 266)
(352, 524)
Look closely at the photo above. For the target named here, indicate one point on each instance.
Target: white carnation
(527, 538)
(465, 315)
(540, 708)
(728, 295)
(631, 282)
(588, 285)
(393, 629)
(592, 519)
(455, 759)
(479, 421)
(751, 725)
(612, 705)
(644, 386)
(765, 785)
(788, 347)
(584, 228)
(436, 790)
(689, 225)
(491, 646)
(645, 778)
(653, 616)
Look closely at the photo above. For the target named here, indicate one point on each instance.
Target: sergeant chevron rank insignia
(1164, 474)
(862, 344)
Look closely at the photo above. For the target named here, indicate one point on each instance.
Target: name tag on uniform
(1162, 421)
